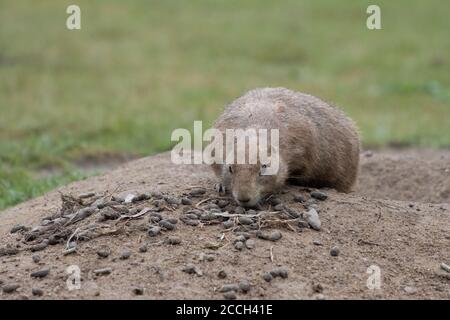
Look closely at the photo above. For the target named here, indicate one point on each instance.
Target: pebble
(172, 220)
(267, 277)
(312, 217)
(334, 252)
(244, 286)
(36, 258)
(124, 255)
(299, 198)
(239, 245)
(245, 220)
(40, 246)
(228, 224)
(230, 295)
(278, 207)
(292, 212)
(317, 287)
(274, 201)
(173, 240)
(239, 210)
(143, 248)
(445, 267)
(10, 288)
(37, 292)
(189, 269)
(229, 287)
(197, 192)
(40, 273)
(279, 272)
(157, 195)
(166, 225)
(104, 252)
(17, 228)
(271, 236)
(102, 272)
(317, 243)
(222, 274)
(186, 201)
(250, 244)
(223, 203)
(191, 222)
(138, 291)
(173, 200)
(154, 231)
(319, 195)
(410, 290)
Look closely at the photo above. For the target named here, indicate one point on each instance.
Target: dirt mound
(150, 229)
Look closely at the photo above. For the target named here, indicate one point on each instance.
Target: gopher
(318, 144)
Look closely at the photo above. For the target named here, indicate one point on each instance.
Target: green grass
(139, 69)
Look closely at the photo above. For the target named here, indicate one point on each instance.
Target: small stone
(143, 248)
(312, 217)
(317, 288)
(223, 203)
(189, 268)
(124, 255)
(334, 252)
(36, 258)
(138, 291)
(292, 212)
(228, 224)
(229, 287)
(445, 267)
(303, 224)
(230, 295)
(37, 292)
(245, 220)
(17, 228)
(173, 200)
(279, 272)
(317, 243)
(319, 195)
(39, 247)
(299, 198)
(250, 244)
(129, 198)
(167, 225)
(274, 201)
(410, 290)
(157, 194)
(197, 192)
(244, 286)
(267, 277)
(40, 273)
(10, 288)
(278, 207)
(104, 252)
(222, 274)
(173, 241)
(186, 201)
(103, 271)
(239, 210)
(172, 220)
(271, 236)
(154, 231)
(239, 245)
(191, 222)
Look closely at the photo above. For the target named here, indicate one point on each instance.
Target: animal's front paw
(220, 188)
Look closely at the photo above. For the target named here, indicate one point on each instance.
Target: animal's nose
(244, 199)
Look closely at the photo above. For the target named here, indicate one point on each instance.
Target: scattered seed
(189, 268)
(245, 220)
(317, 287)
(173, 200)
(36, 258)
(244, 286)
(104, 252)
(186, 201)
(39, 247)
(222, 274)
(445, 267)
(228, 224)
(143, 248)
(197, 192)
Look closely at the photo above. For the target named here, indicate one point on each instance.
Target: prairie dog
(318, 144)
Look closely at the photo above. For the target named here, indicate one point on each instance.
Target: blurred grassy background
(139, 69)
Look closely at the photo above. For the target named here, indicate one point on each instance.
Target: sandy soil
(397, 219)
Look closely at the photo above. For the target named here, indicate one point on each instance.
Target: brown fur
(319, 145)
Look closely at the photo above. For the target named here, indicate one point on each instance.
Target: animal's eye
(230, 169)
